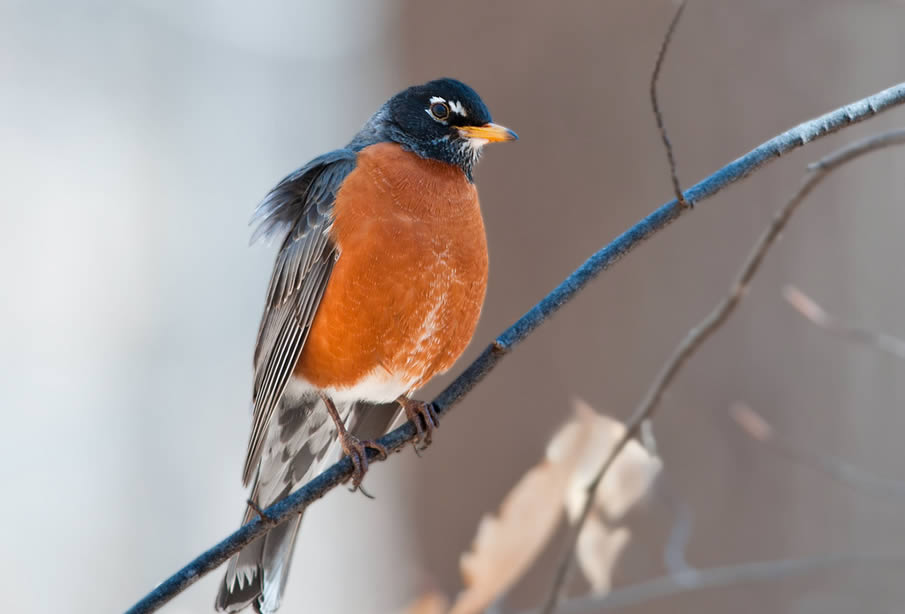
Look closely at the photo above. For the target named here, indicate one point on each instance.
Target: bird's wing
(301, 208)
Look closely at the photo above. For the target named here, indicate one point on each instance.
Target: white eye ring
(439, 111)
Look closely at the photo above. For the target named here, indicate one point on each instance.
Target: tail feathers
(238, 590)
(257, 575)
(244, 580)
(276, 560)
(302, 442)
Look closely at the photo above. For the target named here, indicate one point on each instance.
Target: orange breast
(406, 292)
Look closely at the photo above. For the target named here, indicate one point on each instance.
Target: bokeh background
(137, 136)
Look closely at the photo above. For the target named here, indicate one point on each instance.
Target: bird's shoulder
(306, 192)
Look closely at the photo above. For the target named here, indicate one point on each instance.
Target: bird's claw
(357, 451)
(424, 416)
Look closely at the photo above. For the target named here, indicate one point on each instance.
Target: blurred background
(137, 136)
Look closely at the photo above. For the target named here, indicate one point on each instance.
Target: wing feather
(299, 208)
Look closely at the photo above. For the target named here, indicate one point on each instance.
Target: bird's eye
(439, 110)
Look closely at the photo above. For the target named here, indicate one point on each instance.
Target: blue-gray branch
(524, 326)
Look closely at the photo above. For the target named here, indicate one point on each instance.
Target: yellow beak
(493, 133)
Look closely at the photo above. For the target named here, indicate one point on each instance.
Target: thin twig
(757, 428)
(655, 105)
(700, 333)
(718, 577)
(674, 554)
(602, 260)
(260, 512)
(807, 307)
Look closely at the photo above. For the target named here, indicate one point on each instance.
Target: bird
(377, 287)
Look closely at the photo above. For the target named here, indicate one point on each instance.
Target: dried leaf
(597, 551)
(506, 544)
(626, 482)
(751, 422)
(432, 602)
(805, 305)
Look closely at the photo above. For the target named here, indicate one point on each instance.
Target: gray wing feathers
(290, 324)
(281, 208)
(298, 441)
(301, 206)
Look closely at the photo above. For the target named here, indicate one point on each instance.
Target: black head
(442, 120)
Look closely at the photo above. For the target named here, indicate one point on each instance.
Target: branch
(602, 260)
(757, 428)
(675, 558)
(699, 334)
(807, 307)
(655, 105)
(718, 577)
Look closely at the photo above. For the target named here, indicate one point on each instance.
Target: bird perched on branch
(377, 287)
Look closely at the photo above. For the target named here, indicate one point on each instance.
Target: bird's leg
(423, 415)
(356, 449)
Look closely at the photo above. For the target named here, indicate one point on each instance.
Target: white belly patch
(377, 387)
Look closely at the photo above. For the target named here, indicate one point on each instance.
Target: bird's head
(442, 120)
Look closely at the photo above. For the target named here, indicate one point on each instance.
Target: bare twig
(600, 261)
(757, 428)
(257, 510)
(700, 333)
(718, 577)
(674, 554)
(807, 307)
(655, 105)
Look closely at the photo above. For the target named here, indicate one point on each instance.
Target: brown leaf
(628, 479)
(626, 482)
(805, 305)
(751, 422)
(507, 543)
(597, 551)
(432, 602)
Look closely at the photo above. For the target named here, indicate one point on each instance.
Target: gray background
(137, 136)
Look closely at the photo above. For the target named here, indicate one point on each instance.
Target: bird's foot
(353, 447)
(424, 416)
(357, 450)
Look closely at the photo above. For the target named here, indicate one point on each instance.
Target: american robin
(377, 288)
